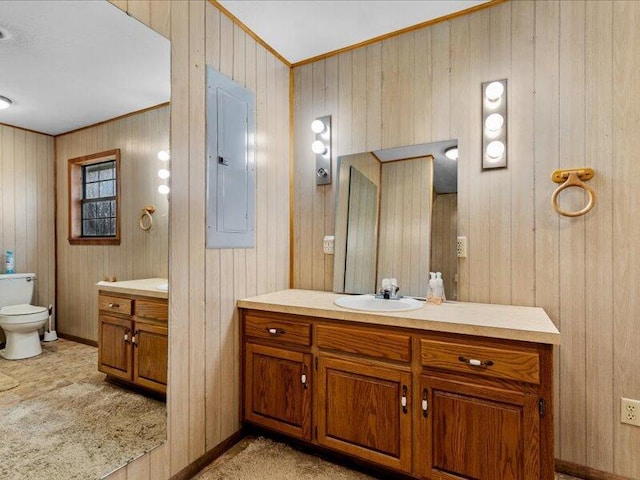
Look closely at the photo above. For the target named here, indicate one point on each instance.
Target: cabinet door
(150, 356)
(114, 340)
(365, 410)
(278, 389)
(473, 431)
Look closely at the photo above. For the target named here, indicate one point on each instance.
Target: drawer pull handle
(425, 403)
(476, 363)
(275, 331)
(403, 399)
(114, 305)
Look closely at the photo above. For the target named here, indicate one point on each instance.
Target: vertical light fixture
(321, 146)
(164, 173)
(494, 124)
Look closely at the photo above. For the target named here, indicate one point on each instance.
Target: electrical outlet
(461, 247)
(630, 411)
(328, 244)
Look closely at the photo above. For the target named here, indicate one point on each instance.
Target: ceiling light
(494, 91)
(495, 149)
(163, 189)
(163, 173)
(451, 153)
(317, 126)
(164, 155)
(5, 102)
(318, 147)
(494, 122)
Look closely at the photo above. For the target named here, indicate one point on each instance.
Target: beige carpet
(64, 422)
(264, 459)
(7, 382)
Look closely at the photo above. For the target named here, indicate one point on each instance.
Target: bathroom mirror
(84, 78)
(396, 217)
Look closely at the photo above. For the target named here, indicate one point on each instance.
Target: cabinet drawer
(365, 341)
(520, 365)
(149, 309)
(297, 333)
(115, 304)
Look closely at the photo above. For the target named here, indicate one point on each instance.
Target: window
(94, 187)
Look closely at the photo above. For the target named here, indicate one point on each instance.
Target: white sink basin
(163, 287)
(370, 303)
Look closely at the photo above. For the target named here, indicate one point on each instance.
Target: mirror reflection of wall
(415, 231)
(84, 77)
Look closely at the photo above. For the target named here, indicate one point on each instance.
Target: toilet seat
(23, 313)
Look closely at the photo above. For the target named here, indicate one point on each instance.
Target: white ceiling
(69, 64)
(302, 29)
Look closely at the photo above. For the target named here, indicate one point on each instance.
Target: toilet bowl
(20, 324)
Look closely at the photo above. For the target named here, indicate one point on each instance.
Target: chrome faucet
(389, 289)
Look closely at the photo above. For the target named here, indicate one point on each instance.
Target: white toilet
(20, 320)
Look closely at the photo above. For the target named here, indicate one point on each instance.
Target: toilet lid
(22, 309)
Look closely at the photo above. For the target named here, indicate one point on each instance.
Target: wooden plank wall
(573, 72)
(204, 356)
(141, 254)
(404, 244)
(26, 210)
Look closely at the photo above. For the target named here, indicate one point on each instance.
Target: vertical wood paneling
(26, 207)
(626, 229)
(443, 237)
(572, 101)
(141, 254)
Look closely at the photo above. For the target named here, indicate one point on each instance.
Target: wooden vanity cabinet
(426, 404)
(133, 340)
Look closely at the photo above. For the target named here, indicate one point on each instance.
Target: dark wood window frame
(76, 195)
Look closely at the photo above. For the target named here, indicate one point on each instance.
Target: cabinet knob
(425, 403)
(275, 331)
(475, 362)
(303, 377)
(403, 399)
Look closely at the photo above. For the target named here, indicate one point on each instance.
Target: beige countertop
(145, 287)
(528, 324)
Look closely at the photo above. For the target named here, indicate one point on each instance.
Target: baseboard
(194, 467)
(586, 473)
(73, 338)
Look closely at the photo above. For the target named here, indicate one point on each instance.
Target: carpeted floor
(264, 459)
(63, 421)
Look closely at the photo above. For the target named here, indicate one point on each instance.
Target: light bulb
(318, 147)
(163, 173)
(163, 189)
(451, 153)
(164, 155)
(494, 122)
(317, 126)
(494, 91)
(5, 102)
(495, 149)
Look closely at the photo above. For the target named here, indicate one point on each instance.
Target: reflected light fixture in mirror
(451, 153)
(321, 146)
(494, 131)
(164, 173)
(5, 102)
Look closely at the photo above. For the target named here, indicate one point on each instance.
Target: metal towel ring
(146, 220)
(573, 178)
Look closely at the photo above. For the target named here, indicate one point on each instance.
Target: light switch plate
(461, 247)
(328, 244)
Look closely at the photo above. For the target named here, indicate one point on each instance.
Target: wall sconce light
(494, 124)
(321, 146)
(164, 173)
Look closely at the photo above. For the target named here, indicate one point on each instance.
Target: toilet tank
(16, 288)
